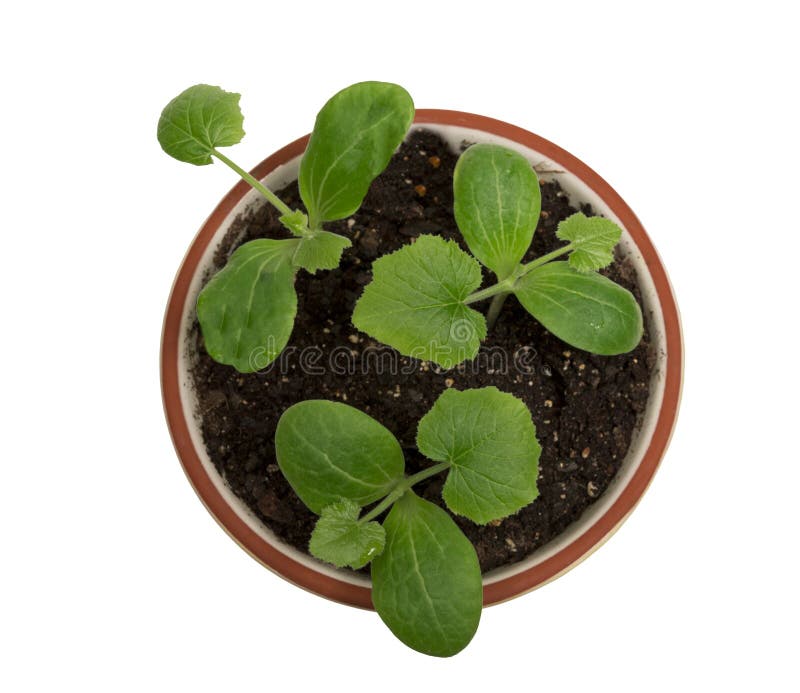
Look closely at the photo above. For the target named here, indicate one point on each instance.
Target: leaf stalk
(402, 486)
(276, 202)
(501, 290)
(494, 309)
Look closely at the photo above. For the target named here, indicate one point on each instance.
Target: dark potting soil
(585, 407)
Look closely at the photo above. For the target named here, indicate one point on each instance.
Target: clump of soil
(585, 407)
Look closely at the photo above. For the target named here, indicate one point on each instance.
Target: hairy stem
(282, 207)
(402, 486)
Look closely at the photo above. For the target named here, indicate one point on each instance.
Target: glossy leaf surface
(426, 585)
(329, 451)
(497, 202)
(587, 311)
(354, 136)
(247, 310)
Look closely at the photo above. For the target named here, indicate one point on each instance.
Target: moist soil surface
(585, 407)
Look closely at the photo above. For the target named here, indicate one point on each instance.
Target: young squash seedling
(247, 310)
(426, 581)
(420, 296)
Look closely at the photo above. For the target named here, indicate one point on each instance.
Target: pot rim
(502, 589)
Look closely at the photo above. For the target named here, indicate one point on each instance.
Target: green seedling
(247, 310)
(426, 581)
(419, 300)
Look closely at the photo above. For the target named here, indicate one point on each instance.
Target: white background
(115, 578)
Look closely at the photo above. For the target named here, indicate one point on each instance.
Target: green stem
(539, 261)
(500, 288)
(507, 285)
(494, 309)
(424, 474)
(257, 184)
(402, 486)
(383, 505)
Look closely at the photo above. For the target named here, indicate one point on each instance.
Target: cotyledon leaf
(415, 302)
(329, 451)
(354, 136)
(426, 585)
(587, 311)
(246, 312)
(496, 201)
(490, 441)
(197, 121)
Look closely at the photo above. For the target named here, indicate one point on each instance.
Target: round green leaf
(197, 121)
(593, 239)
(415, 302)
(490, 441)
(587, 311)
(340, 539)
(246, 312)
(330, 451)
(354, 136)
(426, 585)
(322, 250)
(496, 204)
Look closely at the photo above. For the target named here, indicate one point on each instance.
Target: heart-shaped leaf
(197, 121)
(330, 451)
(587, 311)
(426, 585)
(340, 539)
(246, 312)
(490, 441)
(415, 302)
(496, 204)
(354, 136)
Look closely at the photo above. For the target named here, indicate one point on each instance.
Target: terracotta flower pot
(582, 537)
